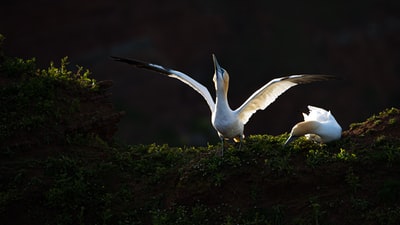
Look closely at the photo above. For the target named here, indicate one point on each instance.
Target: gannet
(229, 123)
(319, 125)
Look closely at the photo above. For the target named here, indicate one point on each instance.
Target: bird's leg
(241, 141)
(222, 146)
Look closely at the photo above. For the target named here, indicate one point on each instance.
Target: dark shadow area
(357, 41)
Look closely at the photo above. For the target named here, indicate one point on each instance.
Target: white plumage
(229, 123)
(319, 125)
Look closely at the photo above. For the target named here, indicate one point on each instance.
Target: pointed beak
(290, 139)
(217, 68)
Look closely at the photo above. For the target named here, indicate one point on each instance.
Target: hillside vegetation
(59, 164)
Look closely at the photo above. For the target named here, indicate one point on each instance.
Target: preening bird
(229, 123)
(319, 125)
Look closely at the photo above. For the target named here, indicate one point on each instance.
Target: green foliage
(198, 214)
(345, 155)
(18, 68)
(378, 119)
(316, 211)
(202, 214)
(35, 101)
(2, 38)
(84, 180)
(359, 204)
(390, 191)
(353, 180)
(386, 216)
(317, 157)
(140, 184)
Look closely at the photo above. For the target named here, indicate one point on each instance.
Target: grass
(159, 184)
(58, 166)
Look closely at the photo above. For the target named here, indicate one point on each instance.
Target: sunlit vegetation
(53, 175)
(37, 100)
(52, 105)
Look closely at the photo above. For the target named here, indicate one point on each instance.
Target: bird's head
(221, 77)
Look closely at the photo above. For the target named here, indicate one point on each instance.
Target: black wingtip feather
(308, 78)
(142, 64)
(133, 62)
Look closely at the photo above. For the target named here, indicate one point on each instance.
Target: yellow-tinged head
(221, 77)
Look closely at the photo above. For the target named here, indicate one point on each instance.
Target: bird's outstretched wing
(171, 73)
(270, 92)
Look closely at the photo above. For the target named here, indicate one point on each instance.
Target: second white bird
(319, 125)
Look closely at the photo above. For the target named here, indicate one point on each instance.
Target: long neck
(222, 99)
(307, 127)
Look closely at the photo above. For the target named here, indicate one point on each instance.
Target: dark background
(358, 41)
